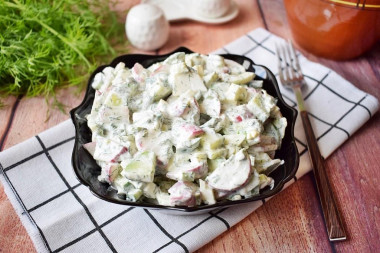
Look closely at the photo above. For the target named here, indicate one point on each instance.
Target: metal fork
(291, 76)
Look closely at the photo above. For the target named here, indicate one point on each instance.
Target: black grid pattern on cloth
(211, 215)
(98, 227)
(70, 189)
(262, 43)
(251, 45)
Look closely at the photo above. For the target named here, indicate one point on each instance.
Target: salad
(190, 130)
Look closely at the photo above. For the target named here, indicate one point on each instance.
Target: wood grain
(5, 116)
(292, 221)
(205, 38)
(27, 123)
(13, 236)
(333, 219)
(354, 169)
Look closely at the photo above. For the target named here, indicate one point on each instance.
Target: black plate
(87, 171)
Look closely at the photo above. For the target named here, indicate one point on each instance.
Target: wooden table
(292, 221)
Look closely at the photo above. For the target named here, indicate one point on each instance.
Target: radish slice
(184, 194)
(231, 174)
(90, 147)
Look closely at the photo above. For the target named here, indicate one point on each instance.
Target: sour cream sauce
(190, 130)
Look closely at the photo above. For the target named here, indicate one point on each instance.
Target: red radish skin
(161, 164)
(196, 169)
(192, 130)
(110, 169)
(200, 170)
(178, 108)
(137, 70)
(161, 69)
(251, 90)
(90, 147)
(226, 70)
(181, 194)
(195, 102)
(122, 151)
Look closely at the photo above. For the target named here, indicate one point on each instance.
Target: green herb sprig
(45, 45)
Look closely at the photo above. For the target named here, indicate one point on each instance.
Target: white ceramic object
(177, 10)
(211, 8)
(146, 27)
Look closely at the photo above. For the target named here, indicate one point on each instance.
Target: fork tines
(289, 69)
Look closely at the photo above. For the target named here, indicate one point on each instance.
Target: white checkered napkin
(61, 215)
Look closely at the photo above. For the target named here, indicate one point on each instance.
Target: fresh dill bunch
(48, 44)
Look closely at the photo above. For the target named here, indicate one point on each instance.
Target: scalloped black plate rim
(221, 204)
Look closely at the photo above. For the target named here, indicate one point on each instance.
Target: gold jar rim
(357, 4)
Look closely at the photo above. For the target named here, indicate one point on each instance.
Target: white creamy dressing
(186, 131)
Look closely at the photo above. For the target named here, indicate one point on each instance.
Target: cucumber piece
(163, 199)
(235, 68)
(211, 104)
(211, 140)
(194, 59)
(266, 181)
(210, 78)
(122, 185)
(214, 163)
(182, 82)
(134, 195)
(236, 93)
(234, 139)
(199, 69)
(107, 150)
(242, 78)
(216, 153)
(215, 62)
(181, 175)
(175, 58)
(141, 167)
(207, 194)
(261, 104)
(149, 190)
(158, 91)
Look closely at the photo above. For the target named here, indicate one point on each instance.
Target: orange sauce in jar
(334, 29)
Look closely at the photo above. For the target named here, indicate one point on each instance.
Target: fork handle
(333, 220)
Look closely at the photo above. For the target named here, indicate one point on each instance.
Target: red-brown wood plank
(205, 38)
(354, 169)
(5, 117)
(34, 115)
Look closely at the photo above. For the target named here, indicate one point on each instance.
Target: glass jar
(334, 29)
